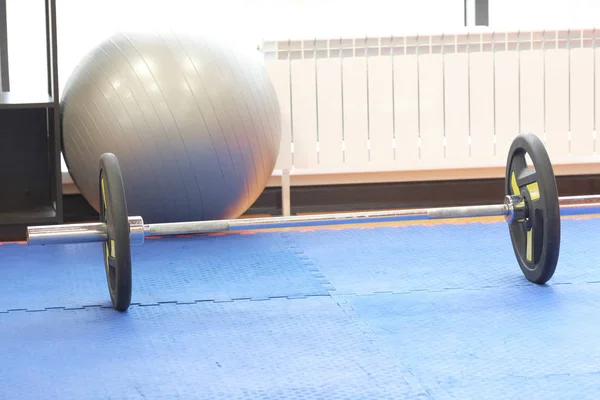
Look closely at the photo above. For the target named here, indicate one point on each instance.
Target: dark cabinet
(30, 142)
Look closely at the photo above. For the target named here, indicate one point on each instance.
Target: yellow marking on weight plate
(112, 248)
(515, 189)
(513, 184)
(534, 191)
(529, 251)
(103, 192)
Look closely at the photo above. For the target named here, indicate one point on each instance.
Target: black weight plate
(117, 248)
(535, 239)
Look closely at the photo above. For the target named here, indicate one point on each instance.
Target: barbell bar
(96, 232)
(531, 207)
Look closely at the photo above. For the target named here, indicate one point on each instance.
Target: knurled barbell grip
(495, 210)
(185, 228)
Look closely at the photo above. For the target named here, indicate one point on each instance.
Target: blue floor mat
(164, 270)
(439, 257)
(273, 349)
(497, 343)
(464, 324)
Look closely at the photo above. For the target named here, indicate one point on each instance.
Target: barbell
(531, 207)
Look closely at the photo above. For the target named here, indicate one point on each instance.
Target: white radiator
(434, 103)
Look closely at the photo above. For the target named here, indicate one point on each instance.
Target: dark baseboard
(406, 195)
(357, 197)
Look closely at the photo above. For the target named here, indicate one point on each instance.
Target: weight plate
(117, 247)
(535, 239)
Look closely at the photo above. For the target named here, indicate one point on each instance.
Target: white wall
(543, 14)
(83, 23)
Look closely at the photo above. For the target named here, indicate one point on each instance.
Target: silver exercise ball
(194, 122)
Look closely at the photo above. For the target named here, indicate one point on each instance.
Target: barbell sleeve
(80, 233)
(67, 233)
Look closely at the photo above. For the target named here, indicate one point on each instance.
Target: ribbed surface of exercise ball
(194, 122)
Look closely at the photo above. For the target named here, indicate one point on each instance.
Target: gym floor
(434, 310)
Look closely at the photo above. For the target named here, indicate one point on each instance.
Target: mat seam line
(308, 264)
(364, 328)
(335, 296)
